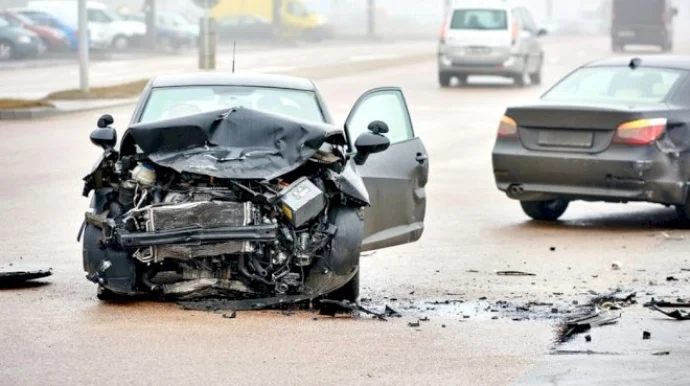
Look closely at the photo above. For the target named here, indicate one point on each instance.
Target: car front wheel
(444, 79)
(550, 210)
(349, 292)
(6, 50)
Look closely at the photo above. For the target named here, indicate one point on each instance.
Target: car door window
(526, 20)
(296, 9)
(97, 16)
(230, 21)
(387, 105)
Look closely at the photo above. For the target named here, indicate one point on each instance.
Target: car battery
(301, 201)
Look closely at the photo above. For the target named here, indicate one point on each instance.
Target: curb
(314, 73)
(47, 112)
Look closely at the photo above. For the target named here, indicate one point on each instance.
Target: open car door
(394, 178)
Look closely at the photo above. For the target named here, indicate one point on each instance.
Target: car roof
(233, 79)
(678, 62)
(485, 4)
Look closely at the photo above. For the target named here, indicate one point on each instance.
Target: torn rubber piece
(18, 278)
(514, 273)
(676, 314)
(345, 305)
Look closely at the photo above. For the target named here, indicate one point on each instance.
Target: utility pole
(447, 5)
(150, 12)
(207, 35)
(549, 10)
(371, 18)
(83, 46)
(277, 18)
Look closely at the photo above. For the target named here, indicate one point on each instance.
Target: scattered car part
(17, 278)
(514, 273)
(586, 323)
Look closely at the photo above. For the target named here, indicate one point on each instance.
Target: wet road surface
(60, 334)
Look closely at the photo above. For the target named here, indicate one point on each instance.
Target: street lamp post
(83, 46)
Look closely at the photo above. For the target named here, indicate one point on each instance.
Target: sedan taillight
(640, 132)
(507, 128)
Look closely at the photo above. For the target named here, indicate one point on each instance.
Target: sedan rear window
(479, 19)
(615, 84)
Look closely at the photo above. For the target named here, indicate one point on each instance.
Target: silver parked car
(498, 39)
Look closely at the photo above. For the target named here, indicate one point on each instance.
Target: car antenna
(233, 56)
(634, 63)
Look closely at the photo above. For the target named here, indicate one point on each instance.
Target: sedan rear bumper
(620, 174)
(502, 66)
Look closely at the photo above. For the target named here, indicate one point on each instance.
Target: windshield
(615, 84)
(111, 15)
(23, 19)
(6, 21)
(176, 19)
(175, 102)
(479, 19)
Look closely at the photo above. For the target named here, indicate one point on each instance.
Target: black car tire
(521, 78)
(105, 295)
(349, 292)
(120, 42)
(683, 213)
(6, 50)
(550, 210)
(535, 78)
(444, 79)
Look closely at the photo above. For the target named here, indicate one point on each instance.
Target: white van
(490, 38)
(106, 29)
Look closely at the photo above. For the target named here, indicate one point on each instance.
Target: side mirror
(542, 32)
(370, 143)
(378, 127)
(105, 121)
(104, 137)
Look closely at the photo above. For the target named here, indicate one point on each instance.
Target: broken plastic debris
(675, 238)
(584, 324)
(646, 335)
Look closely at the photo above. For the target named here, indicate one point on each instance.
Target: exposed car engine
(178, 233)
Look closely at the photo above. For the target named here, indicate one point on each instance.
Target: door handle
(421, 158)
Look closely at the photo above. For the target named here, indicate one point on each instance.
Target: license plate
(626, 34)
(479, 50)
(565, 138)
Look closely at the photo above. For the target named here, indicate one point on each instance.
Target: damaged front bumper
(257, 233)
(620, 174)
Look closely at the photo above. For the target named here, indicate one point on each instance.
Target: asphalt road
(60, 334)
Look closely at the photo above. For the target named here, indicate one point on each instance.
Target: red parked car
(53, 39)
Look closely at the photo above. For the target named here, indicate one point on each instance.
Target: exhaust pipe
(516, 190)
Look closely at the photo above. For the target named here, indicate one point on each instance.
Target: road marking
(269, 69)
(367, 58)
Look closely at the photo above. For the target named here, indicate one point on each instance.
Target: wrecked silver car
(240, 186)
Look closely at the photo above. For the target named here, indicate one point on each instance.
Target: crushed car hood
(239, 143)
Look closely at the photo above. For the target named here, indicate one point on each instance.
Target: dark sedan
(615, 130)
(17, 42)
(53, 39)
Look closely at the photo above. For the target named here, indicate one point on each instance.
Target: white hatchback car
(495, 39)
